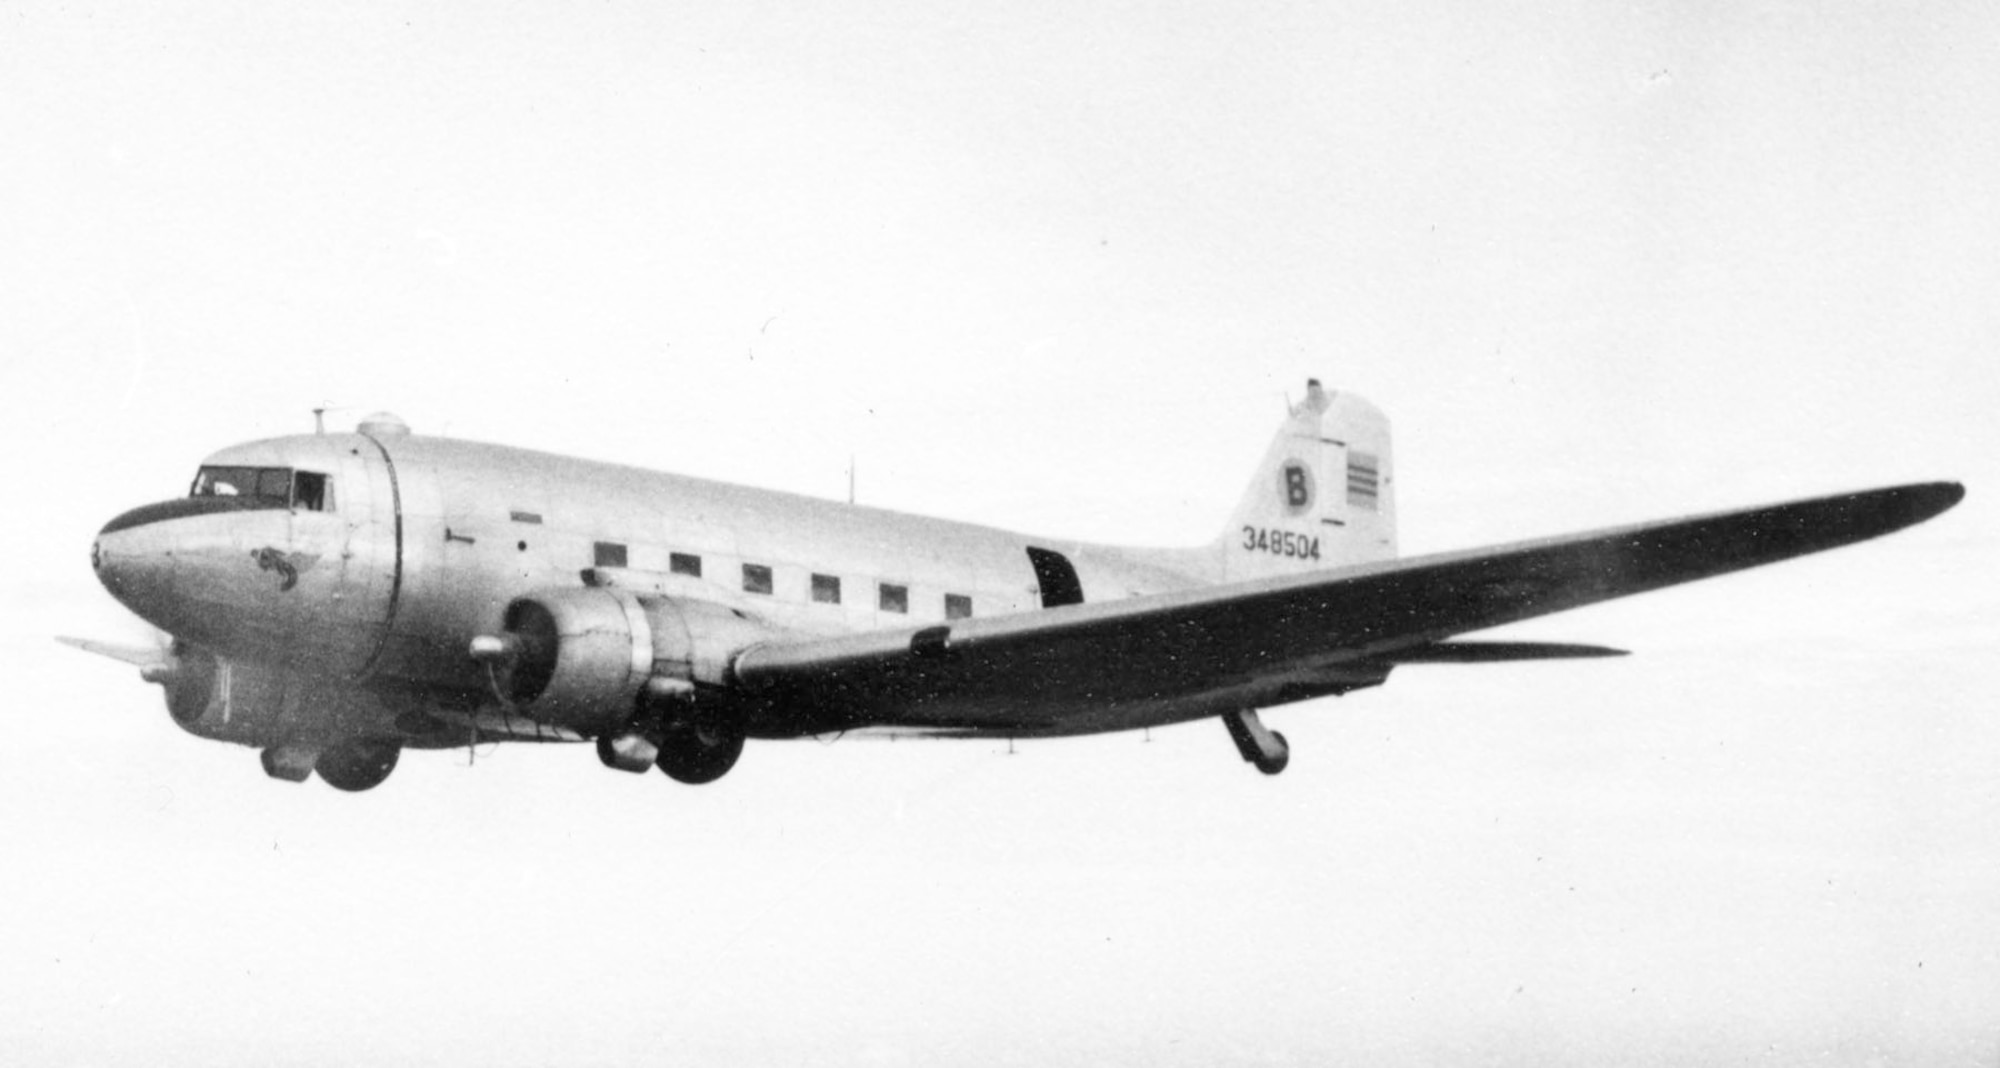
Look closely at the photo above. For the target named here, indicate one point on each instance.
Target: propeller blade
(142, 656)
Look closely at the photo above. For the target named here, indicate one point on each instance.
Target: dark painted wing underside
(1289, 638)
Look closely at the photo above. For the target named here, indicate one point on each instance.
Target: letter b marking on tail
(1298, 487)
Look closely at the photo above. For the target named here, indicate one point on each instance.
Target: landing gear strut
(1259, 745)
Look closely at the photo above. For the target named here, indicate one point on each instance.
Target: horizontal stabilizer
(1495, 652)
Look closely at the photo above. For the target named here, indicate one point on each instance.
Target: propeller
(186, 673)
(147, 658)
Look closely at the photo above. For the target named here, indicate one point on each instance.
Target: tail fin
(1323, 497)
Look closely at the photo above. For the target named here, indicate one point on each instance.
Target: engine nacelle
(231, 701)
(580, 657)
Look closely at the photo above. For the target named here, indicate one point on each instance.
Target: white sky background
(1052, 268)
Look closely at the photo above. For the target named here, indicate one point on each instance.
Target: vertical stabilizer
(1323, 497)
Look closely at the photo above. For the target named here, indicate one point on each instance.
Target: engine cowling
(227, 700)
(580, 657)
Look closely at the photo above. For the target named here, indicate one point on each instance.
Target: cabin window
(826, 589)
(756, 578)
(610, 554)
(311, 491)
(957, 606)
(684, 564)
(895, 598)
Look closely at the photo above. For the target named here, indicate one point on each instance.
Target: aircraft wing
(1279, 639)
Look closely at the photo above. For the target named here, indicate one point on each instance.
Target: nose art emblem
(287, 565)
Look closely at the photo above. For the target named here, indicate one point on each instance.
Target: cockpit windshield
(273, 487)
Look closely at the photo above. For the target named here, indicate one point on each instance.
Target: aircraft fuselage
(408, 547)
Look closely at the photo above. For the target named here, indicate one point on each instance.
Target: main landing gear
(689, 742)
(353, 765)
(1259, 744)
(703, 747)
(358, 765)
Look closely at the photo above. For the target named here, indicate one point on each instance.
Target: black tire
(704, 750)
(358, 765)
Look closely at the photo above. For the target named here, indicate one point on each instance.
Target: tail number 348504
(1280, 543)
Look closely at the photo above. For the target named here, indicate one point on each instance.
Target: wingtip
(1926, 500)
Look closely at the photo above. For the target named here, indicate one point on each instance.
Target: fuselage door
(1056, 576)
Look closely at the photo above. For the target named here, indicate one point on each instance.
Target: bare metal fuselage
(356, 618)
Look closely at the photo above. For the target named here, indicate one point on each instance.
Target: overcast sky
(1054, 267)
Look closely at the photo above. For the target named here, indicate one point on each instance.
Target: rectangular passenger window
(311, 492)
(957, 606)
(610, 554)
(895, 598)
(756, 578)
(684, 564)
(826, 589)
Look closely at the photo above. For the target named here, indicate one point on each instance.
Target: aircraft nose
(135, 563)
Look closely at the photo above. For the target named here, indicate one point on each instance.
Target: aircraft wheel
(358, 765)
(703, 749)
(1276, 764)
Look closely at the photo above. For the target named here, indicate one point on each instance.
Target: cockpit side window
(312, 491)
(269, 487)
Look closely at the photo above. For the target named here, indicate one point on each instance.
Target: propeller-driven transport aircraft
(333, 599)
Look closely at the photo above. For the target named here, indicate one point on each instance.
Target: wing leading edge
(1203, 652)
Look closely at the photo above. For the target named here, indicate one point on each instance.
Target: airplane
(335, 598)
